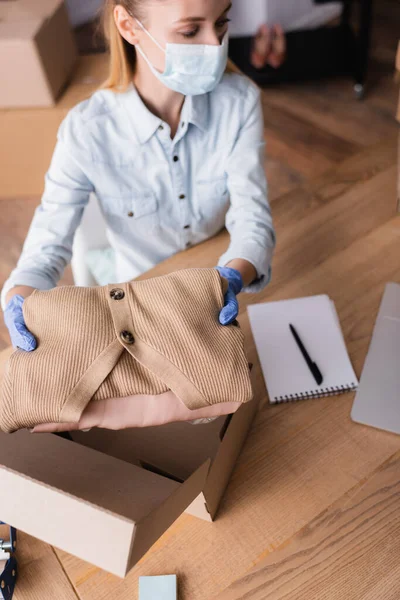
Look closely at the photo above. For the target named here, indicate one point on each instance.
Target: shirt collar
(145, 123)
(195, 110)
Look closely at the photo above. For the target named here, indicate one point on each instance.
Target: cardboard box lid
(99, 508)
(21, 18)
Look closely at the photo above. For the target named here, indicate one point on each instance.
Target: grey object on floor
(377, 402)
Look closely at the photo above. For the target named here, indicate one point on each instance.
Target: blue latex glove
(231, 309)
(15, 322)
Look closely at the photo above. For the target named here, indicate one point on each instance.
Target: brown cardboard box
(398, 118)
(28, 136)
(398, 75)
(125, 487)
(37, 51)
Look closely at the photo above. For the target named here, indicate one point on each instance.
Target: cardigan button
(127, 337)
(117, 294)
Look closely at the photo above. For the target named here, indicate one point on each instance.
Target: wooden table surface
(313, 507)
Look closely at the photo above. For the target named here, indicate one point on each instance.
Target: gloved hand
(231, 309)
(14, 320)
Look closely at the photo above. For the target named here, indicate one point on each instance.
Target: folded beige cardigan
(140, 337)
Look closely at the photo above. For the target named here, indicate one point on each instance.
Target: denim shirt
(158, 195)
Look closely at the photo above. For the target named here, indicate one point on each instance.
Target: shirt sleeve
(249, 219)
(48, 246)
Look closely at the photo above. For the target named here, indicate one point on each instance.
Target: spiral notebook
(286, 373)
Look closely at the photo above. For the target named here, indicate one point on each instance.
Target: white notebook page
(286, 373)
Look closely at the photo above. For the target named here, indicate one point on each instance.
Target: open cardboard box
(125, 487)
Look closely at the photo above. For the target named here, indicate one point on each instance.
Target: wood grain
(40, 574)
(337, 114)
(350, 550)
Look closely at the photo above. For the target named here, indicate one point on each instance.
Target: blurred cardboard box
(398, 76)
(37, 51)
(108, 496)
(28, 136)
(398, 118)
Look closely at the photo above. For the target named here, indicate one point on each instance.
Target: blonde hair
(122, 54)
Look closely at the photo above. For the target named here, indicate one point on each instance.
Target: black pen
(311, 365)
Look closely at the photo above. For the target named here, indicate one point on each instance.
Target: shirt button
(161, 127)
(186, 227)
(130, 214)
(182, 197)
(176, 158)
(183, 124)
(127, 337)
(117, 294)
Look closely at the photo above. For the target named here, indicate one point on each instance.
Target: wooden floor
(313, 508)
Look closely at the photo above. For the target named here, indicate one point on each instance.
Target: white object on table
(377, 402)
(158, 588)
(248, 15)
(286, 373)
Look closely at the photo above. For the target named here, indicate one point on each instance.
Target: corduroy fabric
(179, 344)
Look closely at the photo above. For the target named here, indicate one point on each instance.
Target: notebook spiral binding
(320, 393)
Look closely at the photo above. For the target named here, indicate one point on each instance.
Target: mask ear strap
(149, 34)
(138, 48)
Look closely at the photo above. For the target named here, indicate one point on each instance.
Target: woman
(173, 149)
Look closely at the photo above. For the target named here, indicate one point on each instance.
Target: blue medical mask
(190, 69)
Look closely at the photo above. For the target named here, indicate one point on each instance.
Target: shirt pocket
(212, 200)
(136, 210)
